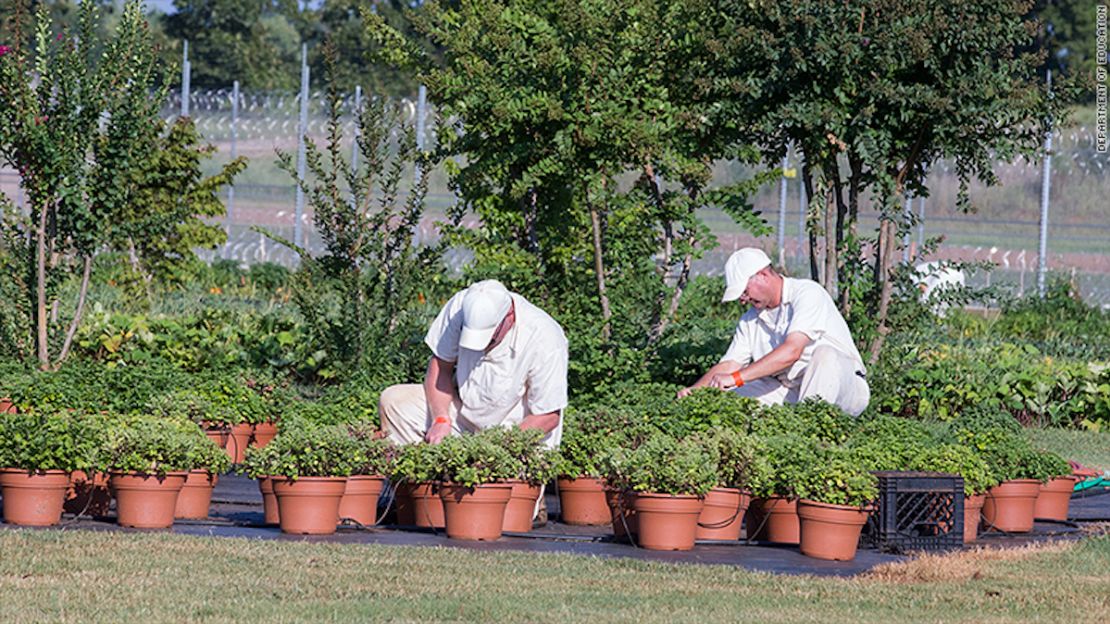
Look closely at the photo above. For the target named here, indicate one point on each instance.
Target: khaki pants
(831, 375)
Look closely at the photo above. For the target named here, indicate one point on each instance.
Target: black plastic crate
(917, 511)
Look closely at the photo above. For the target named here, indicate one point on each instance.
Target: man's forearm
(544, 422)
(778, 360)
(439, 388)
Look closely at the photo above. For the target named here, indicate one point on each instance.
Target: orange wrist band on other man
(738, 379)
(441, 420)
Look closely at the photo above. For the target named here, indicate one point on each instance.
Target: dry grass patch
(959, 566)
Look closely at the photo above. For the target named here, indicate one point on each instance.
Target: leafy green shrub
(836, 476)
(889, 442)
(812, 418)
(305, 452)
(587, 437)
(538, 465)
(207, 455)
(475, 459)
(150, 445)
(417, 463)
(788, 457)
(48, 441)
(959, 460)
(664, 464)
(707, 409)
(737, 456)
(1045, 465)
(372, 455)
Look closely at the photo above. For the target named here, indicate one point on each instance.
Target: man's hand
(723, 381)
(685, 392)
(439, 430)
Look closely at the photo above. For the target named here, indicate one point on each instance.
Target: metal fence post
(302, 130)
(186, 71)
(1046, 181)
(234, 138)
(782, 209)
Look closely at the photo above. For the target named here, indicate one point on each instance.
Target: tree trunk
(888, 233)
(856, 168)
(43, 347)
(72, 331)
(831, 256)
(599, 269)
(814, 273)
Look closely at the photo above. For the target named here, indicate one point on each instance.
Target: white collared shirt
(526, 373)
(805, 308)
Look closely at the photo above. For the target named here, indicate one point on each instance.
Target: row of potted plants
(146, 462)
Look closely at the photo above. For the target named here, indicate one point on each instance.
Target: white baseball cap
(740, 267)
(485, 305)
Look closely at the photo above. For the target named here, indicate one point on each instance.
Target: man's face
(761, 291)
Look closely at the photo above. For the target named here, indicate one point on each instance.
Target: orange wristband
(738, 379)
(441, 420)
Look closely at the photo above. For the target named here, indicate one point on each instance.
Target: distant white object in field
(933, 278)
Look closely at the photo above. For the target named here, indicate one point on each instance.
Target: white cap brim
(732, 293)
(476, 339)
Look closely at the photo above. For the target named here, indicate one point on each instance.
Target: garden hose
(1096, 481)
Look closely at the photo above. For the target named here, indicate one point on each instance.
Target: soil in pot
(622, 510)
(146, 501)
(830, 532)
(582, 502)
(475, 513)
(88, 495)
(723, 514)
(521, 507)
(309, 505)
(973, 510)
(263, 434)
(773, 520)
(360, 499)
(1054, 499)
(667, 521)
(1009, 506)
(196, 495)
(269, 501)
(33, 498)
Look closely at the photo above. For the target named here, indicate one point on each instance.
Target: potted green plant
(474, 477)
(773, 512)
(587, 437)
(976, 473)
(148, 459)
(309, 466)
(208, 461)
(257, 463)
(416, 492)
(723, 514)
(37, 453)
(836, 496)
(231, 405)
(670, 478)
(538, 465)
(1057, 485)
(373, 458)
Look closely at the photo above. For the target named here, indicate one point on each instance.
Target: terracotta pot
(238, 440)
(6, 406)
(476, 513)
(723, 514)
(1055, 498)
(582, 502)
(830, 531)
(309, 505)
(973, 510)
(263, 433)
(1009, 506)
(196, 495)
(88, 495)
(360, 499)
(33, 499)
(146, 501)
(521, 508)
(667, 521)
(622, 510)
(216, 432)
(270, 513)
(419, 504)
(773, 520)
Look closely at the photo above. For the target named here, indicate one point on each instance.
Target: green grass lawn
(58, 576)
(1090, 448)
